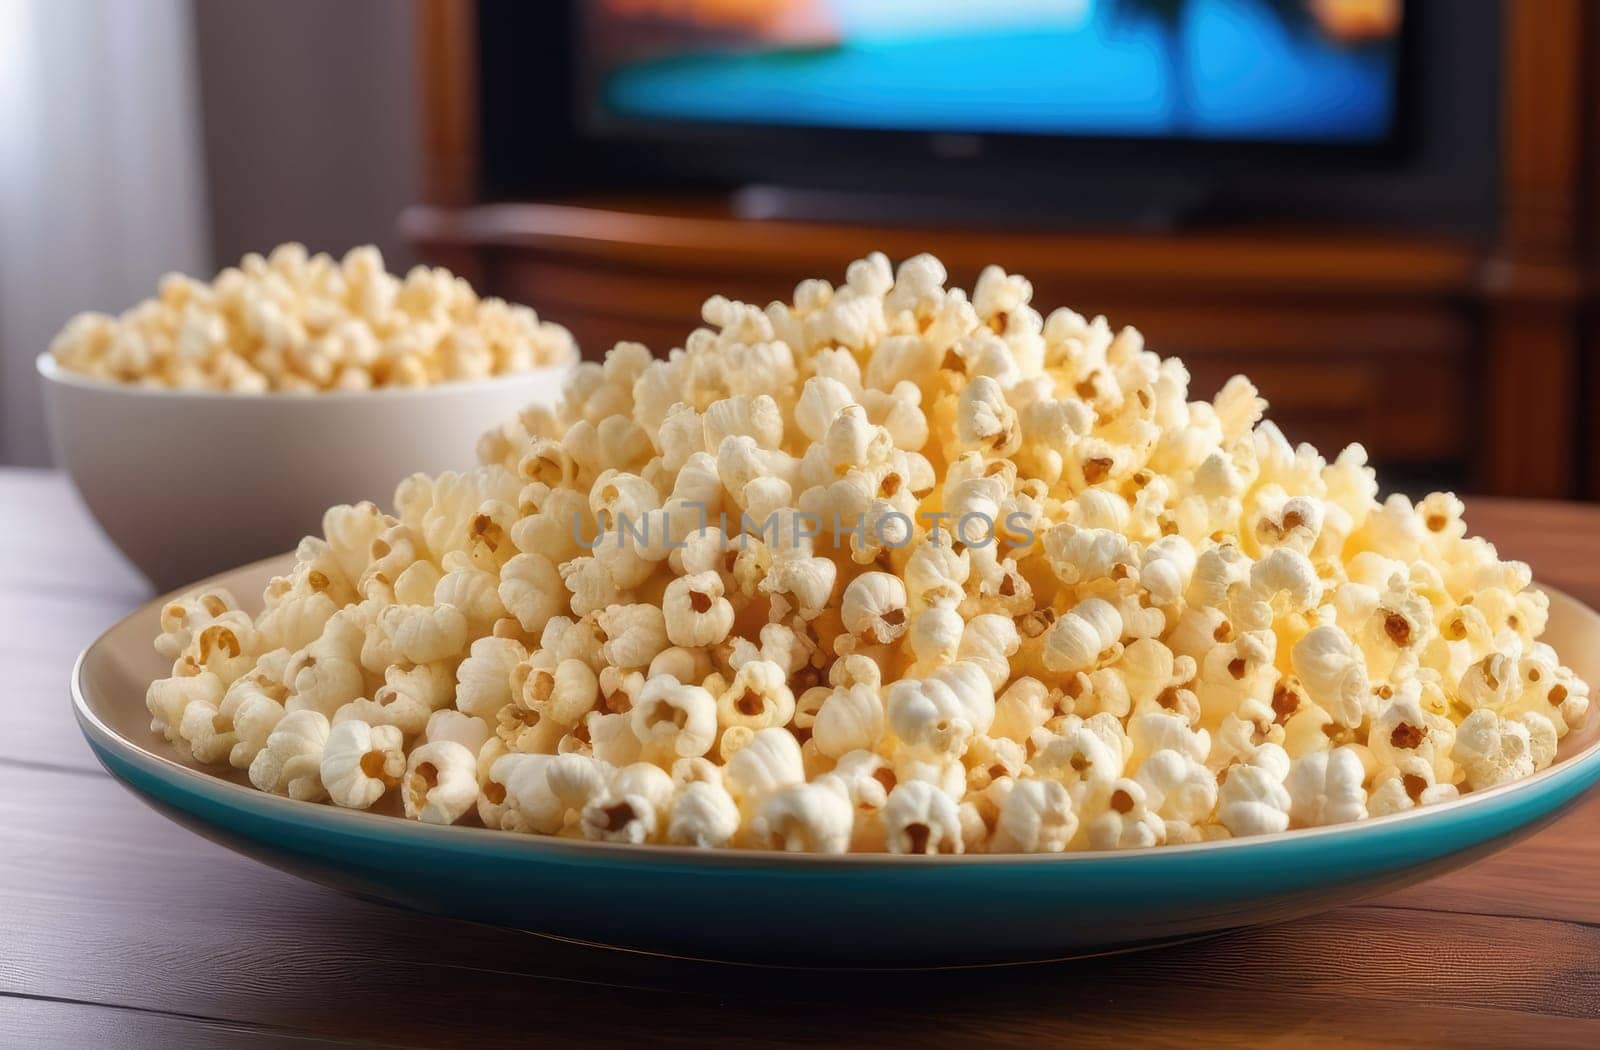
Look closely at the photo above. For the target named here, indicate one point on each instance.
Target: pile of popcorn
(305, 323)
(891, 567)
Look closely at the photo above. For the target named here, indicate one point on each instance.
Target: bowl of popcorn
(213, 424)
(893, 623)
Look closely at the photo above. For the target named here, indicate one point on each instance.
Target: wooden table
(118, 928)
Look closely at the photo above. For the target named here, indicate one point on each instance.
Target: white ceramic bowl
(187, 483)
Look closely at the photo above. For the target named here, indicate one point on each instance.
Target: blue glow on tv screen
(1293, 71)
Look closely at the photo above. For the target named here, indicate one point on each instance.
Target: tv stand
(1138, 205)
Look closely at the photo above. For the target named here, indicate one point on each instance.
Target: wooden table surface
(118, 928)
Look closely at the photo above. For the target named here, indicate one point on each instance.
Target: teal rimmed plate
(860, 910)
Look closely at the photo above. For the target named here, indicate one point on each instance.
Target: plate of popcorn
(893, 625)
(287, 384)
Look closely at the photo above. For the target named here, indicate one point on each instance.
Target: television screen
(1291, 71)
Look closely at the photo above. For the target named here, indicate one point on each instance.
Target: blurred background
(1383, 211)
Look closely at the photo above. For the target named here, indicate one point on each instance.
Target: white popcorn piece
(1252, 799)
(422, 634)
(448, 724)
(291, 763)
(803, 817)
(990, 640)
(758, 697)
(695, 610)
(1024, 707)
(440, 783)
(1405, 729)
(1076, 641)
(168, 698)
(703, 815)
(252, 708)
(532, 590)
(483, 679)
(771, 760)
(874, 608)
(850, 719)
(327, 674)
(361, 762)
(1407, 786)
(634, 634)
(1325, 787)
(1162, 731)
(1082, 760)
(942, 711)
(1177, 786)
(947, 773)
(612, 739)
(1036, 817)
(1128, 822)
(619, 818)
(225, 646)
(936, 575)
(210, 735)
(1332, 672)
(183, 618)
(514, 793)
(1493, 750)
(990, 758)
(674, 720)
(919, 818)
(406, 700)
(935, 638)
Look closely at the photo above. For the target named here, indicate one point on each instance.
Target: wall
(310, 117)
(131, 127)
(101, 183)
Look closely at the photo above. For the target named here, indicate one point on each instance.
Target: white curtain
(102, 187)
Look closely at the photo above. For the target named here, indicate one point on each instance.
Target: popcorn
(674, 720)
(1406, 787)
(757, 698)
(884, 568)
(360, 762)
(1036, 817)
(695, 611)
(806, 817)
(852, 718)
(1494, 750)
(1325, 787)
(483, 679)
(440, 782)
(874, 608)
(703, 815)
(181, 619)
(942, 711)
(327, 674)
(291, 763)
(1128, 822)
(620, 818)
(1253, 800)
(168, 698)
(302, 323)
(421, 634)
(771, 760)
(919, 818)
(1332, 673)
(1077, 640)
(1177, 786)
